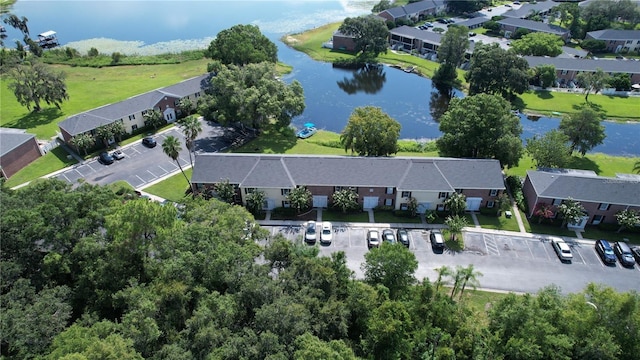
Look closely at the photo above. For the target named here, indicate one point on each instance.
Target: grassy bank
(541, 102)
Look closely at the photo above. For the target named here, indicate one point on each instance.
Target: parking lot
(510, 263)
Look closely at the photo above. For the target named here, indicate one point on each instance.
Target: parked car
(636, 253)
(428, 24)
(310, 232)
(437, 240)
(149, 142)
(624, 254)
(105, 158)
(449, 21)
(605, 250)
(326, 233)
(472, 34)
(373, 238)
(388, 236)
(516, 3)
(403, 237)
(562, 249)
(118, 155)
(442, 21)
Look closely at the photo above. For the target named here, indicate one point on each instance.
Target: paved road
(519, 264)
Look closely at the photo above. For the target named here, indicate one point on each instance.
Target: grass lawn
(172, 188)
(390, 217)
(89, 88)
(54, 160)
(479, 300)
(498, 222)
(602, 164)
(545, 102)
(291, 214)
(332, 215)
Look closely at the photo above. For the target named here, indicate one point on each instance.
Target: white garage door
(320, 201)
(370, 202)
(473, 204)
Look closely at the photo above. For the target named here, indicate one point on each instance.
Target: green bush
(514, 183)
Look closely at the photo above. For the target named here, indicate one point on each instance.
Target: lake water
(331, 94)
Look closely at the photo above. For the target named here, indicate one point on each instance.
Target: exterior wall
(430, 197)
(20, 157)
(65, 135)
(530, 196)
(618, 45)
(270, 194)
(513, 29)
(343, 43)
(570, 75)
(384, 15)
(380, 192)
(482, 193)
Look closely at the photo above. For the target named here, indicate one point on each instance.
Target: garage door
(473, 204)
(370, 202)
(320, 201)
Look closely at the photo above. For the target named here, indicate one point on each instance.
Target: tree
(154, 118)
(445, 79)
(345, 200)
(391, 265)
(117, 129)
(493, 70)
(370, 35)
(628, 219)
(465, 276)
(443, 272)
(583, 129)
(636, 167)
(457, 203)
(387, 329)
(34, 83)
(82, 141)
(571, 211)
(171, 147)
(593, 45)
(225, 191)
(300, 197)
(255, 201)
(252, 96)
(451, 52)
(104, 133)
(552, 150)
(544, 211)
(381, 6)
(241, 45)
(191, 127)
(455, 224)
(466, 6)
(592, 81)
(186, 106)
(544, 75)
(371, 132)
(519, 33)
(481, 126)
(538, 44)
(621, 82)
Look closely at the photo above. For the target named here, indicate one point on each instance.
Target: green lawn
(54, 160)
(498, 223)
(89, 88)
(332, 215)
(390, 217)
(173, 188)
(602, 164)
(479, 300)
(546, 102)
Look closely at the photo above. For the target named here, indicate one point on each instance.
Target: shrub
(514, 183)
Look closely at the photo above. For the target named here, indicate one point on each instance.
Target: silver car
(310, 232)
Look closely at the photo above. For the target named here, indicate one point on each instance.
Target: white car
(562, 249)
(373, 238)
(310, 232)
(326, 233)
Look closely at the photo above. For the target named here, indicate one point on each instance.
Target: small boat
(306, 132)
(409, 69)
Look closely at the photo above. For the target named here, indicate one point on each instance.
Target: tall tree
(300, 197)
(391, 265)
(571, 211)
(252, 96)
(481, 126)
(371, 132)
(494, 70)
(468, 276)
(456, 203)
(381, 6)
(628, 219)
(544, 75)
(592, 81)
(191, 128)
(34, 83)
(636, 167)
(538, 44)
(241, 45)
(82, 141)
(551, 150)
(455, 224)
(225, 191)
(370, 35)
(171, 147)
(451, 53)
(154, 118)
(345, 200)
(104, 133)
(584, 129)
(255, 201)
(118, 129)
(466, 6)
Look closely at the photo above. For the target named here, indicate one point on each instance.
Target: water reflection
(369, 79)
(438, 104)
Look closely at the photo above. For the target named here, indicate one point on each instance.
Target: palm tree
(469, 276)
(191, 127)
(636, 167)
(82, 141)
(118, 129)
(442, 272)
(171, 147)
(154, 118)
(104, 132)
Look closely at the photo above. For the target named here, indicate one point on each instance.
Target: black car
(437, 240)
(106, 158)
(149, 142)
(403, 237)
(605, 250)
(624, 254)
(388, 236)
(636, 253)
(442, 21)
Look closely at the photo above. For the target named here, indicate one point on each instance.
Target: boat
(410, 69)
(307, 132)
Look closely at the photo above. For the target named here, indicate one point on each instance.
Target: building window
(493, 192)
(557, 202)
(440, 207)
(564, 72)
(337, 188)
(603, 206)
(249, 190)
(134, 127)
(597, 219)
(197, 95)
(459, 191)
(370, 190)
(389, 190)
(442, 195)
(406, 194)
(388, 202)
(286, 204)
(132, 116)
(490, 204)
(285, 192)
(404, 206)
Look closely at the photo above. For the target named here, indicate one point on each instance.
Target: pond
(331, 94)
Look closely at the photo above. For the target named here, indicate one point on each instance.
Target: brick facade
(19, 157)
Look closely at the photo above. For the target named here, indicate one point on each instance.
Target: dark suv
(605, 250)
(149, 142)
(624, 254)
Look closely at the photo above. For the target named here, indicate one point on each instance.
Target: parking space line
(163, 169)
(513, 247)
(141, 180)
(545, 249)
(530, 252)
(490, 244)
(154, 175)
(581, 258)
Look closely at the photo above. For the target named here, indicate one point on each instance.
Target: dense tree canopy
(584, 129)
(370, 34)
(451, 52)
(550, 150)
(466, 6)
(371, 132)
(494, 70)
(241, 45)
(538, 44)
(33, 83)
(481, 126)
(97, 273)
(253, 96)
